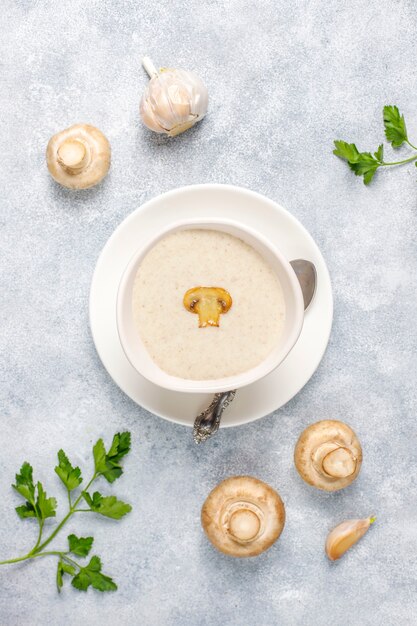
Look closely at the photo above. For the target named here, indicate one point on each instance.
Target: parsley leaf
(26, 510)
(70, 476)
(109, 506)
(99, 453)
(59, 574)
(63, 568)
(24, 483)
(362, 163)
(395, 128)
(68, 569)
(379, 154)
(108, 464)
(80, 546)
(44, 505)
(40, 506)
(91, 575)
(346, 151)
(365, 165)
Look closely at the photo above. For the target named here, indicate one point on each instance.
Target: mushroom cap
(328, 455)
(78, 157)
(243, 516)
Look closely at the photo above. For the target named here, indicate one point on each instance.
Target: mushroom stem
(244, 525)
(73, 155)
(149, 67)
(334, 460)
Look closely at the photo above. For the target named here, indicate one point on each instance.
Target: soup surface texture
(246, 334)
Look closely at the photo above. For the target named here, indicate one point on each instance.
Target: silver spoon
(208, 421)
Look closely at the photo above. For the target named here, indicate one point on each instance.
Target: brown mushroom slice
(209, 303)
(243, 516)
(328, 455)
(78, 157)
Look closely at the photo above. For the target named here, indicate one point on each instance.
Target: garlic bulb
(174, 100)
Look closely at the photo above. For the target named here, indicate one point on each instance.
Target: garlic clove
(345, 535)
(173, 101)
(148, 117)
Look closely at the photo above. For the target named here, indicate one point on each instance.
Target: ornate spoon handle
(207, 423)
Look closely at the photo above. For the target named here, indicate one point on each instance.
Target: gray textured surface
(284, 80)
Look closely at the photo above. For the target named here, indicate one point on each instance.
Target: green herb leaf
(379, 154)
(99, 453)
(41, 506)
(346, 151)
(108, 464)
(109, 506)
(63, 568)
(68, 569)
(26, 510)
(81, 581)
(70, 476)
(45, 506)
(59, 575)
(395, 128)
(362, 163)
(80, 546)
(366, 166)
(91, 575)
(24, 483)
(119, 448)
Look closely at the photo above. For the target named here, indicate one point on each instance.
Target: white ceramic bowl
(137, 353)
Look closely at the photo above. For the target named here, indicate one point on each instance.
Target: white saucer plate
(213, 201)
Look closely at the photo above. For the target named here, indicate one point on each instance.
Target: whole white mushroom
(328, 455)
(78, 157)
(243, 516)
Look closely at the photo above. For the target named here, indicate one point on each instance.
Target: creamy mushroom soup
(236, 294)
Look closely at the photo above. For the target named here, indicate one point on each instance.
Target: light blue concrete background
(285, 79)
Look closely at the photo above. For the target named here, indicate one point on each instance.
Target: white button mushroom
(345, 535)
(328, 455)
(78, 157)
(243, 516)
(173, 101)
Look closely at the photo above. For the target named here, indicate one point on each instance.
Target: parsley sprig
(107, 465)
(366, 164)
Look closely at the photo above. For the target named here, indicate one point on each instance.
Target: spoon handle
(208, 421)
